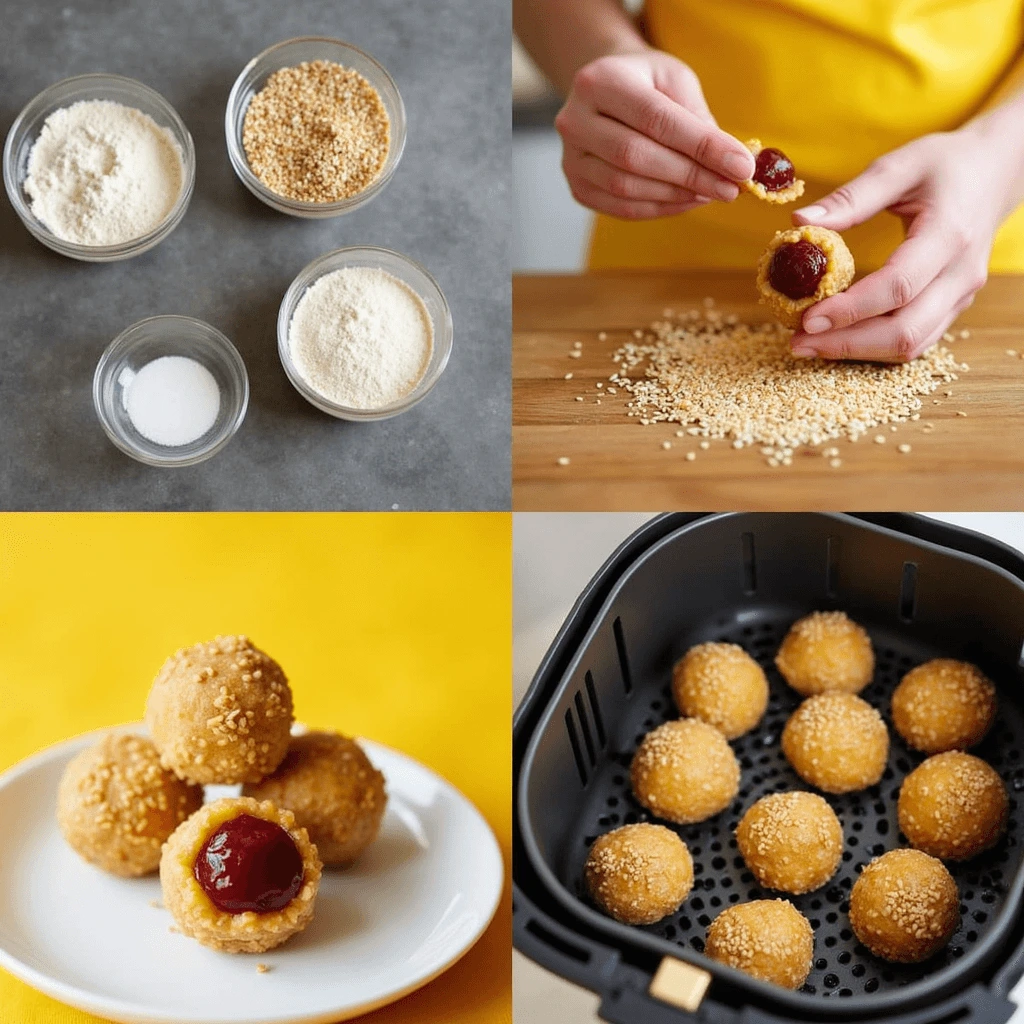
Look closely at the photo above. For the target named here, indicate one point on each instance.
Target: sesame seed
(601, 336)
(905, 448)
(835, 463)
(563, 460)
(666, 445)
(705, 445)
(575, 354)
(568, 376)
(880, 439)
(691, 456)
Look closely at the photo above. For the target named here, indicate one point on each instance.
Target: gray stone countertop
(231, 259)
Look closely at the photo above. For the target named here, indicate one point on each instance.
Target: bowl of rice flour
(364, 333)
(99, 167)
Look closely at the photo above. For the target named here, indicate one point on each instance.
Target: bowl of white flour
(170, 391)
(99, 167)
(364, 333)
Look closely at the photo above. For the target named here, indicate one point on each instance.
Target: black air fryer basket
(922, 590)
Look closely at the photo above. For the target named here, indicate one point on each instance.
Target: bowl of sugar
(170, 391)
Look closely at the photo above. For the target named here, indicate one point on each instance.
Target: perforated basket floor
(842, 966)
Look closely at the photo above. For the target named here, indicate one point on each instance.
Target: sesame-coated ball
(825, 652)
(905, 906)
(722, 685)
(333, 790)
(220, 712)
(953, 806)
(792, 842)
(943, 705)
(685, 771)
(639, 873)
(837, 742)
(768, 939)
(116, 804)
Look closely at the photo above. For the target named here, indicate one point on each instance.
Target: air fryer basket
(745, 578)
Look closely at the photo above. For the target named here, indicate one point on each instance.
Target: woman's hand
(952, 191)
(639, 140)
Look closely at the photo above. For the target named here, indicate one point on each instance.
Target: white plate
(417, 900)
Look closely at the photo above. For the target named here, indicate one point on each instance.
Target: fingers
(881, 185)
(897, 337)
(910, 269)
(621, 184)
(630, 151)
(620, 92)
(628, 209)
(677, 81)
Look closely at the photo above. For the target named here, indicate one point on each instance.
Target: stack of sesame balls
(904, 906)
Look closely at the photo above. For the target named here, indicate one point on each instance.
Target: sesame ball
(768, 939)
(333, 790)
(953, 806)
(825, 652)
(792, 842)
(639, 873)
(722, 685)
(685, 771)
(943, 705)
(837, 742)
(116, 804)
(905, 906)
(220, 712)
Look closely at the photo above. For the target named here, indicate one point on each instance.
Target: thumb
(869, 193)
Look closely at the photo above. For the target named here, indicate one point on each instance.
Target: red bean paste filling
(796, 269)
(249, 864)
(774, 170)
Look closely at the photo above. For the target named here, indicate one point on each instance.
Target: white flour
(101, 173)
(360, 337)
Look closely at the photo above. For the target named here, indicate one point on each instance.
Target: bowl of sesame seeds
(315, 127)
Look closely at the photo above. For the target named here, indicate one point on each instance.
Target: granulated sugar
(171, 401)
(724, 379)
(361, 337)
(101, 173)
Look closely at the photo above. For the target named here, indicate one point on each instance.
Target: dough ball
(685, 771)
(792, 842)
(722, 685)
(943, 705)
(639, 873)
(116, 804)
(836, 272)
(768, 939)
(837, 742)
(221, 712)
(336, 795)
(241, 847)
(905, 906)
(825, 652)
(953, 806)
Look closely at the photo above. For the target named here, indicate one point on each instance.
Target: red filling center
(796, 269)
(774, 170)
(249, 864)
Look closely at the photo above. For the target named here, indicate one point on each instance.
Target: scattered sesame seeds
(563, 460)
(705, 445)
(740, 382)
(880, 439)
(965, 334)
(666, 445)
(835, 463)
(960, 412)
(579, 398)
(568, 376)
(905, 448)
(602, 336)
(575, 354)
(577, 344)
(599, 384)
(691, 456)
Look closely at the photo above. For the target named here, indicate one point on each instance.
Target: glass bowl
(118, 89)
(170, 336)
(406, 270)
(285, 55)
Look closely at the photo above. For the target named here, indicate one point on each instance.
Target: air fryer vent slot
(908, 591)
(595, 710)
(842, 967)
(581, 714)
(574, 742)
(620, 647)
(832, 567)
(749, 565)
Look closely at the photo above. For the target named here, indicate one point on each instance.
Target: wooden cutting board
(966, 463)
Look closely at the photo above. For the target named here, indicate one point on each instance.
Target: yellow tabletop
(395, 627)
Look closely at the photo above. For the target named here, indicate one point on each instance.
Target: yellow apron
(833, 85)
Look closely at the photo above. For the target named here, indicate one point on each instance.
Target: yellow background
(396, 627)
